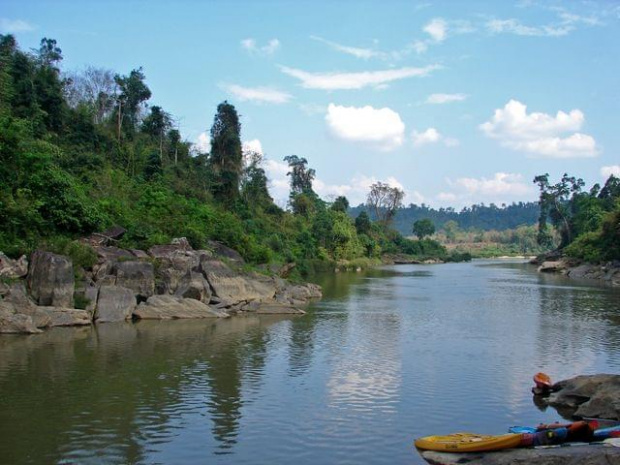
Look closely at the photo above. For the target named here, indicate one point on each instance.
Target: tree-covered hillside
(85, 151)
(477, 217)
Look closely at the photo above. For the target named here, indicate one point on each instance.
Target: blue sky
(455, 102)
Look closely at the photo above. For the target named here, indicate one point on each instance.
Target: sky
(455, 102)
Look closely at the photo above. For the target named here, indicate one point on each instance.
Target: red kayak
(543, 381)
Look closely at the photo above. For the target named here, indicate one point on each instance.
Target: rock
(12, 322)
(115, 232)
(194, 286)
(596, 396)
(286, 269)
(552, 266)
(298, 294)
(141, 254)
(235, 288)
(91, 293)
(181, 242)
(13, 269)
(221, 251)
(166, 307)
(136, 275)
(115, 303)
(108, 257)
(599, 454)
(65, 316)
(607, 273)
(50, 279)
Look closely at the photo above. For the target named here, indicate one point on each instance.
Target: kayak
(468, 442)
(542, 380)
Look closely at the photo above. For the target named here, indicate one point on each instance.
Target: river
(387, 356)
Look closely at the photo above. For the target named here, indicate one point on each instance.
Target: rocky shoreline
(608, 273)
(171, 281)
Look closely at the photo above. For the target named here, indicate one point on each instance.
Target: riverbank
(171, 281)
(608, 273)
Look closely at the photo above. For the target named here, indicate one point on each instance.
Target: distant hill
(484, 217)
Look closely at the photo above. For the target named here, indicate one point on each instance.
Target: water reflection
(386, 356)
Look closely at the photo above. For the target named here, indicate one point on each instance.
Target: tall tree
(384, 200)
(423, 228)
(96, 89)
(156, 124)
(133, 92)
(226, 159)
(301, 175)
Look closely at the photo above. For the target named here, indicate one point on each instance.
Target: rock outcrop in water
(588, 396)
(608, 273)
(171, 281)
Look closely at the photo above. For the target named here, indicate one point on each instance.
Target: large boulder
(557, 266)
(65, 316)
(221, 251)
(50, 279)
(136, 275)
(13, 269)
(115, 303)
(13, 322)
(603, 454)
(108, 257)
(596, 396)
(167, 307)
(234, 288)
(194, 286)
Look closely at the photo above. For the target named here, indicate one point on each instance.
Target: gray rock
(50, 279)
(596, 396)
(12, 322)
(13, 269)
(602, 454)
(221, 251)
(65, 316)
(114, 303)
(552, 266)
(166, 307)
(235, 288)
(136, 275)
(108, 257)
(194, 286)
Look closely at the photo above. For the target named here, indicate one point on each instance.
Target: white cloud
(346, 81)
(203, 144)
(257, 94)
(607, 171)
(437, 29)
(357, 52)
(253, 145)
(540, 133)
(378, 127)
(268, 49)
(430, 136)
(419, 46)
(501, 188)
(439, 99)
(565, 23)
(14, 26)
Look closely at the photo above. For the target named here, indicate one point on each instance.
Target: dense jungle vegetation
(83, 152)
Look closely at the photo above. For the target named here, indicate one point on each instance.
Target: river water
(387, 356)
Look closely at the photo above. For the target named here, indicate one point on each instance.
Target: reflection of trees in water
(122, 388)
(301, 344)
(577, 323)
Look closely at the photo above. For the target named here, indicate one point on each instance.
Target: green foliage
(226, 156)
(424, 227)
(80, 153)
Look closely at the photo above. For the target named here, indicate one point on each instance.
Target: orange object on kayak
(542, 380)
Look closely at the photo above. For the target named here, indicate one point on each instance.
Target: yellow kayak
(468, 442)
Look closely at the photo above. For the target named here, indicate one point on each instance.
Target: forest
(82, 152)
